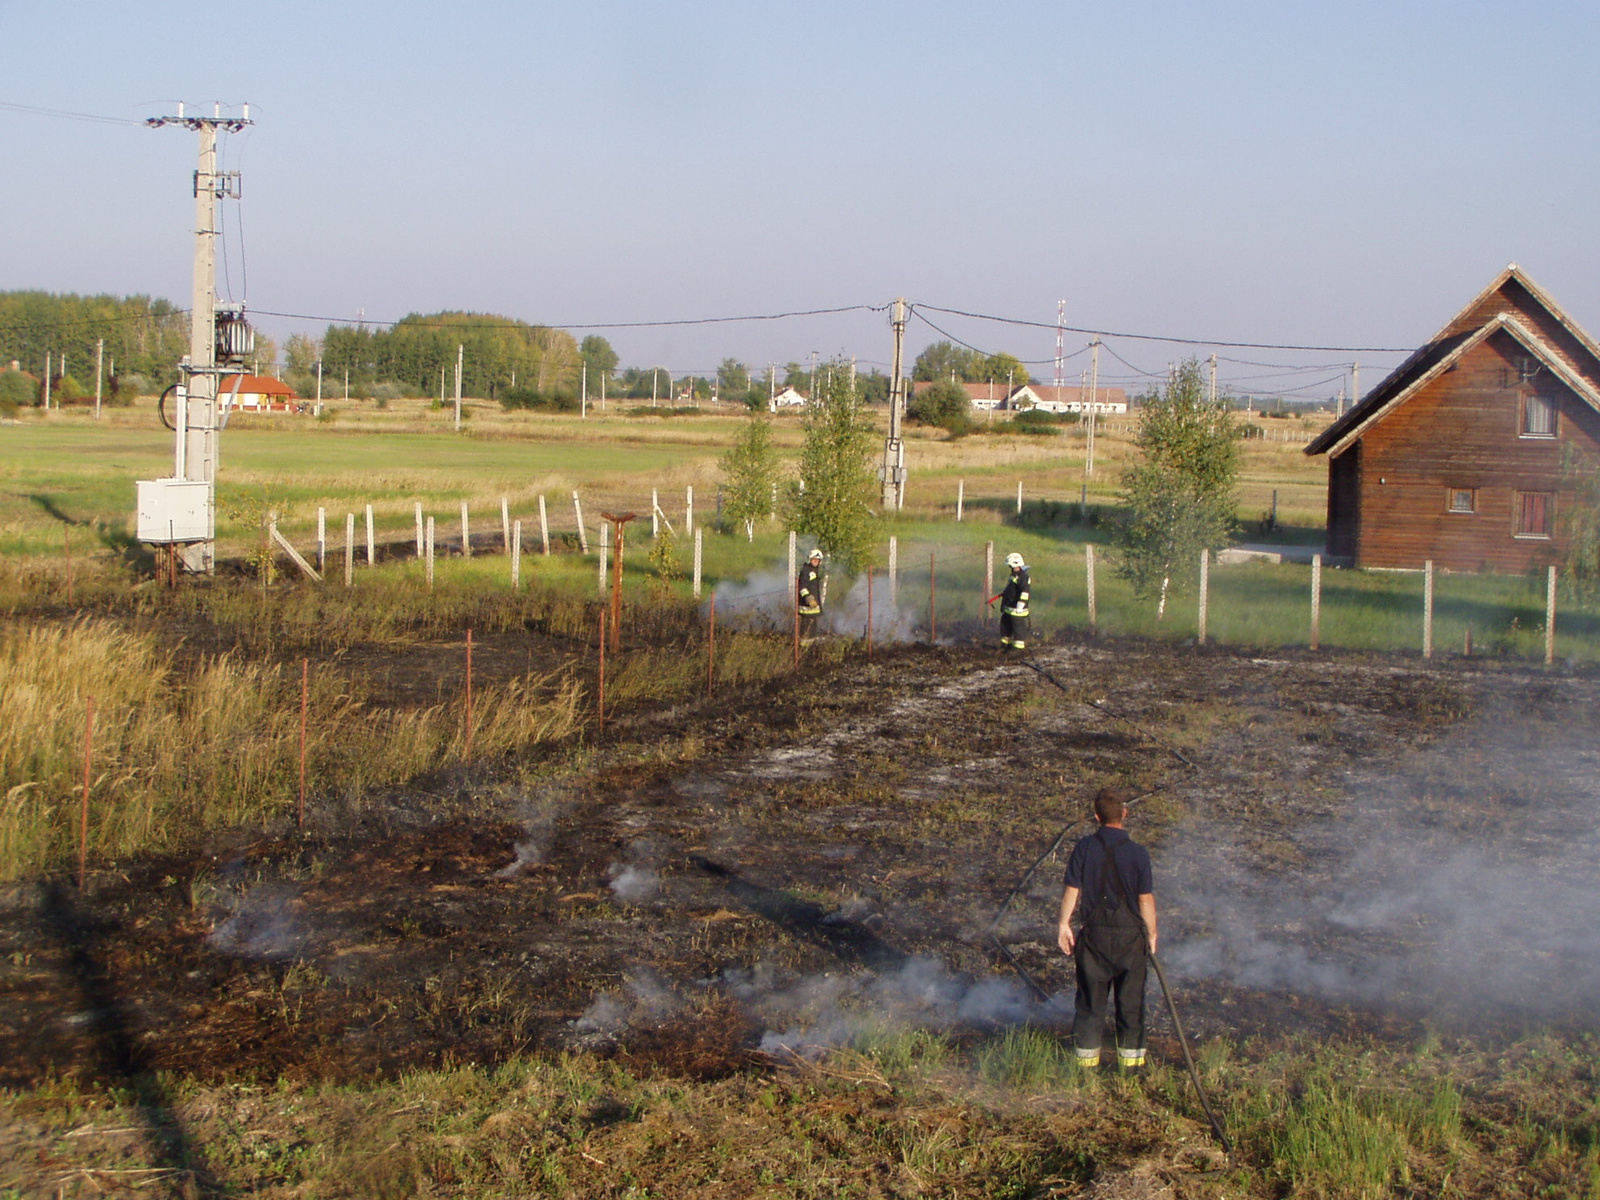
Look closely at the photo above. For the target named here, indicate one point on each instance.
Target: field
(748, 937)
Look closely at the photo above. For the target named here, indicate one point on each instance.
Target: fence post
(1088, 566)
(988, 580)
(418, 513)
(688, 508)
(544, 526)
(1019, 497)
(1316, 601)
(505, 524)
(516, 556)
(773, 515)
(793, 564)
(697, 539)
(371, 547)
(349, 548)
(322, 540)
(583, 534)
(1205, 591)
(961, 498)
(305, 680)
(83, 812)
(1550, 617)
(894, 571)
(655, 512)
(430, 554)
(466, 533)
(1427, 609)
(869, 614)
(605, 546)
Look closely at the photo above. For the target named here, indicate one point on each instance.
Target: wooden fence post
(1205, 591)
(1550, 617)
(516, 556)
(322, 540)
(1427, 609)
(697, 550)
(1316, 601)
(961, 498)
(583, 534)
(794, 578)
(655, 512)
(349, 548)
(1019, 497)
(1088, 566)
(466, 533)
(505, 524)
(688, 508)
(544, 527)
(371, 545)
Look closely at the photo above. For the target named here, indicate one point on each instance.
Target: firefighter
(1014, 622)
(1108, 882)
(808, 601)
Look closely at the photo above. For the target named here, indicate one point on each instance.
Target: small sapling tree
(1179, 499)
(838, 484)
(1582, 521)
(749, 472)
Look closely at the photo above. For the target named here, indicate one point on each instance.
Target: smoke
(642, 999)
(1484, 901)
(766, 601)
(809, 1014)
(539, 820)
(633, 885)
(263, 925)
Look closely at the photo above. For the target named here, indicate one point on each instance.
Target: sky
(1271, 172)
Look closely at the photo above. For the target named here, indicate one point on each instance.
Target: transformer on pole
(180, 512)
(893, 472)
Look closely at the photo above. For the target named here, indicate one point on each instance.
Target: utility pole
(1213, 378)
(894, 448)
(99, 373)
(460, 358)
(198, 425)
(1094, 390)
(583, 402)
(1355, 384)
(1061, 346)
(318, 410)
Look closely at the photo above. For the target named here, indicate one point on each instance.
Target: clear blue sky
(1343, 174)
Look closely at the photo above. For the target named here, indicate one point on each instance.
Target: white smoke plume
(633, 885)
(766, 601)
(643, 998)
(263, 925)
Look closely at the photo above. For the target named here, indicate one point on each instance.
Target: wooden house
(1462, 455)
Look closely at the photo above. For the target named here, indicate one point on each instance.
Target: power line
(64, 114)
(811, 312)
(1152, 337)
(1027, 362)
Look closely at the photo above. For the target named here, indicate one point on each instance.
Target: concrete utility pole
(894, 448)
(198, 427)
(1355, 384)
(1213, 379)
(1094, 390)
(460, 358)
(99, 373)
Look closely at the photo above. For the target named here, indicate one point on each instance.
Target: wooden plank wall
(1462, 431)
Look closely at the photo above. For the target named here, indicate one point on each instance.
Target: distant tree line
(144, 337)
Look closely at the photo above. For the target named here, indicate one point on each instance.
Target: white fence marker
(697, 540)
(516, 556)
(1550, 618)
(544, 526)
(894, 572)
(466, 533)
(1316, 601)
(1205, 591)
(349, 548)
(418, 512)
(322, 540)
(583, 534)
(605, 546)
(430, 554)
(505, 524)
(1088, 566)
(371, 546)
(1427, 609)
(961, 498)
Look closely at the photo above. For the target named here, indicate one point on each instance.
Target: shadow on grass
(848, 940)
(121, 1061)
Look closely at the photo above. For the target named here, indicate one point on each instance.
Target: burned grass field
(746, 945)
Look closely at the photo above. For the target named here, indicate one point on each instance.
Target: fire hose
(1166, 991)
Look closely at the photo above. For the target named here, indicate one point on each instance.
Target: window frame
(1450, 494)
(1519, 508)
(1524, 407)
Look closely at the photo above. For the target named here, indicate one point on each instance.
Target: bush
(16, 389)
(943, 404)
(1038, 418)
(533, 400)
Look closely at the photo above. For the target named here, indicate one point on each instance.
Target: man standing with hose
(808, 596)
(1110, 874)
(1014, 623)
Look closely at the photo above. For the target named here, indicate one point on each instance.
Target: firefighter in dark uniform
(1108, 883)
(1014, 622)
(808, 600)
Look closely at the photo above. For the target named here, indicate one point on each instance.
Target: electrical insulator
(235, 339)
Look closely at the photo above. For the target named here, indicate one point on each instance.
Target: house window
(1463, 500)
(1538, 415)
(1533, 514)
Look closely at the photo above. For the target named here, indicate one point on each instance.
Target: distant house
(1106, 401)
(988, 395)
(257, 393)
(788, 397)
(1458, 456)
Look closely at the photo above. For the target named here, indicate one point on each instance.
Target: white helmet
(1014, 561)
(816, 555)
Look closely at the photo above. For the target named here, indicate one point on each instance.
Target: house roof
(1074, 394)
(253, 385)
(1467, 329)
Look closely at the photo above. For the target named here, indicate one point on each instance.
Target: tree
(733, 378)
(941, 403)
(16, 389)
(600, 358)
(1003, 368)
(749, 471)
(945, 360)
(834, 503)
(300, 354)
(1582, 521)
(1180, 498)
